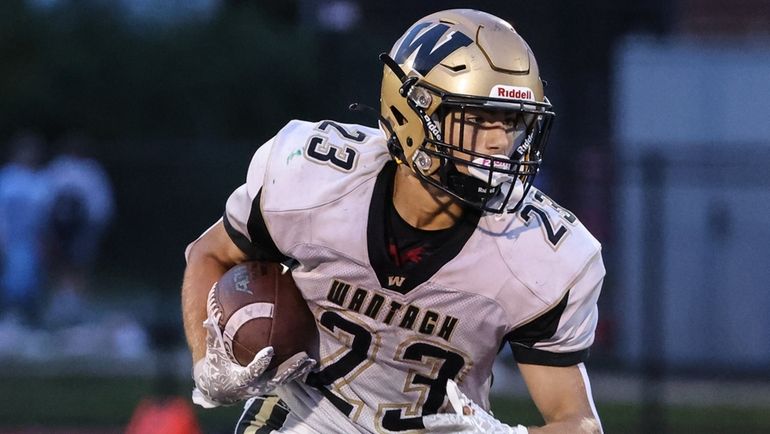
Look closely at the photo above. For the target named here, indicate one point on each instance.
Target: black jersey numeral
(356, 136)
(554, 231)
(319, 149)
(427, 354)
(563, 212)
(358, 352)
(553, 236)
(342, 157)
(434, 365)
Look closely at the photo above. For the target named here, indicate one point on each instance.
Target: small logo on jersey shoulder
(396, 280)
(296, 153)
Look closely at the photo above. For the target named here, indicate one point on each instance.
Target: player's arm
(227, 243)
(563, 396)
(208, 258)
(551, 351)
(240, 235)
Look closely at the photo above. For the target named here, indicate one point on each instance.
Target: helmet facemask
(494, 183)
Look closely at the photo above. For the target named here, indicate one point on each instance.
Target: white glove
(220, 381)
(468, 417)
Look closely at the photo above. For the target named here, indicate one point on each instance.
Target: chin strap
(466, 186)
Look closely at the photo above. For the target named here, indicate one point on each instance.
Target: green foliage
(88, 68)
(110, 402)
(627, 418)
(177, 109)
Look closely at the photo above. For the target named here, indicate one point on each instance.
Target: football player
(420, 247)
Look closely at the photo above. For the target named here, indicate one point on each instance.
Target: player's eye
(510, 122)
(475, 120)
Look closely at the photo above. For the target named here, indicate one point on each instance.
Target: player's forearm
(579, 425)
(200, 274)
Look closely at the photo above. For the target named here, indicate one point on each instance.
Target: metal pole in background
(653, 418)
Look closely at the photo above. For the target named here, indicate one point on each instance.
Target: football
(257, 305)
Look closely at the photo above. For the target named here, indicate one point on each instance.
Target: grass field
(106, 405)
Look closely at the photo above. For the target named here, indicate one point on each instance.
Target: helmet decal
(512, 92)
(429, 51)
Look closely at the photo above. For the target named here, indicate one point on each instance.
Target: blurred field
(104, 405)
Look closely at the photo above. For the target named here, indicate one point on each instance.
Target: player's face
(486, 132)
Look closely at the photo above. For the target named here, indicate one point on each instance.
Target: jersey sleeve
(563, 334)
(243, 219)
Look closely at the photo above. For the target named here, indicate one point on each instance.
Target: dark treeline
(85, 67)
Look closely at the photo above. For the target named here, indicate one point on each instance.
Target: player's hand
(220, 381)
(467, 418)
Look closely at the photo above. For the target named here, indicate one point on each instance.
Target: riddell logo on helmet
(512, 92)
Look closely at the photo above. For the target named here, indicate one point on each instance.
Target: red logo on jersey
(413, 255)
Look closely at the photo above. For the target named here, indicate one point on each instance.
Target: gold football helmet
(455, 60)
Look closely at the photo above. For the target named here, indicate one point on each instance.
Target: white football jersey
(317, 193)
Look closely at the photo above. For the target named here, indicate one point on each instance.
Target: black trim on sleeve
(540, 328)
(238, 238)
(524, 338)
(260, 236)
(532, 356)
(261, 247)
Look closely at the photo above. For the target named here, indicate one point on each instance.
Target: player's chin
(440, 196)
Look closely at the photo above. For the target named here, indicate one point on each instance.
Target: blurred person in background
(24, 205)
(421, 248)
(82, 207)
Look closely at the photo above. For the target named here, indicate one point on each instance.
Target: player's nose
(495, 139)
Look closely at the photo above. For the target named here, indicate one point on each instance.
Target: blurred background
(125, 124)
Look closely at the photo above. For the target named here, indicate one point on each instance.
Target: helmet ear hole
(400, 118)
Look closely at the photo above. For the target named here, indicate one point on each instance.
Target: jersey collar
(389, 275)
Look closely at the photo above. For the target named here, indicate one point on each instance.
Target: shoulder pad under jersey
(313, 163)
(545, 246)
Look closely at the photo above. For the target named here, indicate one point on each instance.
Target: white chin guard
(483, 174)
(505, 181)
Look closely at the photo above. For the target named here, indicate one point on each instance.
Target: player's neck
(421, 205)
